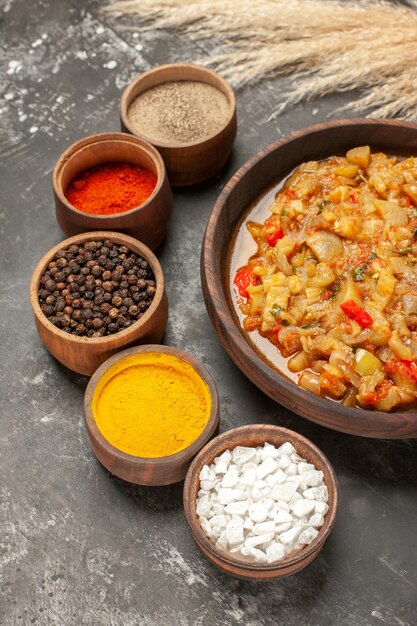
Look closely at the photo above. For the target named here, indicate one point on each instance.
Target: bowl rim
(126, 240)
(82, 144)
(179, 457)
(215, 298)
(126, 100)
(291, 436)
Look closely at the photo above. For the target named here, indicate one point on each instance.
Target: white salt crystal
(231, 477)
(303, 507)
(317, 493)
(204, 505)
(258, 512)
(222, 541)
(219, 520)
(281, 528)
(275, 552)
(273, 510)
(267, 467)
(284, 461)
(242, 455)
(234, 534)
(258, 540)
(291, 470)
(290, 535)
(316, 520)
(286, 448)
(305, 467)
(307, 535)
(269, 451)
(218, 508)
(313, 478)
(258, 555)
(249, 477)
(284, 492)
(321, 507)
(248, 524)
(237, 508)
(221, 467)
(264, 527)
(283, 517)
(205, 525)
(207, 485)
(207, 473)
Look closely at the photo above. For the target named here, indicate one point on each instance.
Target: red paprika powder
(111, 188)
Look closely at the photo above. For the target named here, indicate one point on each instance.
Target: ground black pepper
(179, 112)
(96, 289)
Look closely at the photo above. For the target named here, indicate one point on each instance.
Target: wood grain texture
(268, 166)
(253, 436)
(148, 222)
(85, 354)
(149, 471)
(190, 163)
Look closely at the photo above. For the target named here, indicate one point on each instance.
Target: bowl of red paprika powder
(113, 181)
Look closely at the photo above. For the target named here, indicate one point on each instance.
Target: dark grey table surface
(78, 546)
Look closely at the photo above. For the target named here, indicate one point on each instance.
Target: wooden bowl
(190, 163)
(147, 222)
(85, 354)
(149, 471)
(253, 436)
(270, 165)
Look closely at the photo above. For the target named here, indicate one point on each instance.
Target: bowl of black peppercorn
(95, 294)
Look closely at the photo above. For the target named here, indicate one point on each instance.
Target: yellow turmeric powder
(151, 404)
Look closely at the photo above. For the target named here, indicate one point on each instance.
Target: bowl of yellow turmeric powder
(148, 410)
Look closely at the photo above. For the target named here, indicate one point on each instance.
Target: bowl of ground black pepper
(188, 113)
(95, 294)
(113, 181)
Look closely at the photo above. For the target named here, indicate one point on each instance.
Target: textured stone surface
(78, 546)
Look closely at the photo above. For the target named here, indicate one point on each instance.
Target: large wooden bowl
(252, 436)
(85, 354)
(273, 164)
(149, 471)
(194, 162)
(147, 222)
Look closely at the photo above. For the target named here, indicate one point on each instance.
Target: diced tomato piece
(244, 278)
(290, 193)
(353, 198)
(407, 369)
(272, 238)
(357, 313)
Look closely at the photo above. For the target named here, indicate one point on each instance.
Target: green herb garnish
(412, 213)
(285, 322)
(415, 232)
(284, 212)
(308, 326)
(276, 310)
(335, 291)
(359, 273)
(322, 205)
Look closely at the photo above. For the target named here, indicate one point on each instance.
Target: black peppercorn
(95, 289)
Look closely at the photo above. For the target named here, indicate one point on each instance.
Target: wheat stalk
(324, 45)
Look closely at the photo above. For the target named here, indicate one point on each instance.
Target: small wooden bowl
(269, 166)
(149, 471)
(147, 222)
(190, 163)
(252, 436)
(85, 354)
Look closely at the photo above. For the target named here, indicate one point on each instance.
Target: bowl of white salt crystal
(261, 501)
